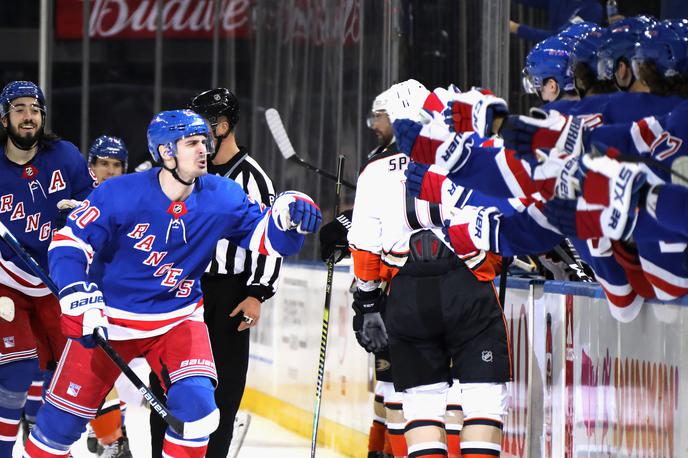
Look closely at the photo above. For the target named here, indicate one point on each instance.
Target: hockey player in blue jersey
(107, 157)
(37, 171)
(155, 233)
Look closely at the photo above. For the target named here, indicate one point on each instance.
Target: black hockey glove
(333, 237)
(368, 324)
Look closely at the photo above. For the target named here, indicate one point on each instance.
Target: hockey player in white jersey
(154, 233)
(443, 318)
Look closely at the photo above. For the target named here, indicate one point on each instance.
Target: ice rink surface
(264, 439)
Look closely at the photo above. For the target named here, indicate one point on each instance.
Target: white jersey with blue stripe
(150, 252)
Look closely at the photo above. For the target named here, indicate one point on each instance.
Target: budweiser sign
(139, 18)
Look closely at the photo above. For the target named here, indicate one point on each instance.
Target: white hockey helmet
(401, 100)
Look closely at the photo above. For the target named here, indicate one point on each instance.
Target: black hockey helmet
(217, 102)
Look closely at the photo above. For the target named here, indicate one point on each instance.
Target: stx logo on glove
(614, 218)
(621, 185)
(86, 301)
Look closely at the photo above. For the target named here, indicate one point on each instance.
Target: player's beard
(24, 142)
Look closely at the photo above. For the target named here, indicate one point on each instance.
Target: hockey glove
(368, 325)
(430, 183)
(432, 143)
(82, 313)
(458, 116)
(472, 229)
(64, 207)
(557, 175)
(333, 237)
(295, 210)
(527, 134)
(608, 207)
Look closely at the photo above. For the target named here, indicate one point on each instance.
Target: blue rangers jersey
(29, 194)
(153, 251)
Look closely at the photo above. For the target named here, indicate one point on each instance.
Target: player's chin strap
(176, 175)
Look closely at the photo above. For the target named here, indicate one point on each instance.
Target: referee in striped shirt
(237, 281)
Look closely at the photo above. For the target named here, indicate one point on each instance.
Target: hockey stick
(574, 263)
(176, 424)
(284, 144)
(326, 319)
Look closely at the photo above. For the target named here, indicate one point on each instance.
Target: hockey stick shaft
(326, 319)
(279, 134)
(573, 263)
(153, 401)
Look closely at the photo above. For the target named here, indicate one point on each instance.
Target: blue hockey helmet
(579, 30)
(680, 26)
(585, 49)
(551, 58)
(664, 47)
(106, 146)
(619, 43)
(17, 89)
(167, 127)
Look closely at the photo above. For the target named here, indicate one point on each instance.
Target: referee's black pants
(221, 294)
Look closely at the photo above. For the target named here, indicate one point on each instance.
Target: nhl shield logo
(177, 209)
(8, 341)
(30, 172)
(487, 356)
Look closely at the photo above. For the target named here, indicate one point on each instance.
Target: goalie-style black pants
(221, 294)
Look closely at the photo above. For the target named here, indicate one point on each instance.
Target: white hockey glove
(83, 313)
(472, 229)
(293, 210)
(541, 130)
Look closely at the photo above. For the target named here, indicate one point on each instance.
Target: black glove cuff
(367, 301)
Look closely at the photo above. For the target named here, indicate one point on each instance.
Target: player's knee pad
(56, 428)
(192, 400)
(426, 402)
(485, 401)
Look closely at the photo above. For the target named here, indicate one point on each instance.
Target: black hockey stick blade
(279, 134)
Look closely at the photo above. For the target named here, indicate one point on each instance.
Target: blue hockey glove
(295, 210)
(83, 313)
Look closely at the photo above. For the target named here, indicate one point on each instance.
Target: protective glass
(373, 117)
(22, 108)
(605, 67)
(530, 84)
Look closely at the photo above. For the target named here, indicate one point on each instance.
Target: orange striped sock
(376, 437)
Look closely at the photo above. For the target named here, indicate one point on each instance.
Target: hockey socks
(108, 422)
(426, 444)
(176, 447)
(376, 438)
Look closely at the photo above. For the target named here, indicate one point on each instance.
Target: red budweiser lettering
(637, 401)
(138, 18)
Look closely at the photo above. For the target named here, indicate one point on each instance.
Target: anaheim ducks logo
(177, 209)
(382, 365)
